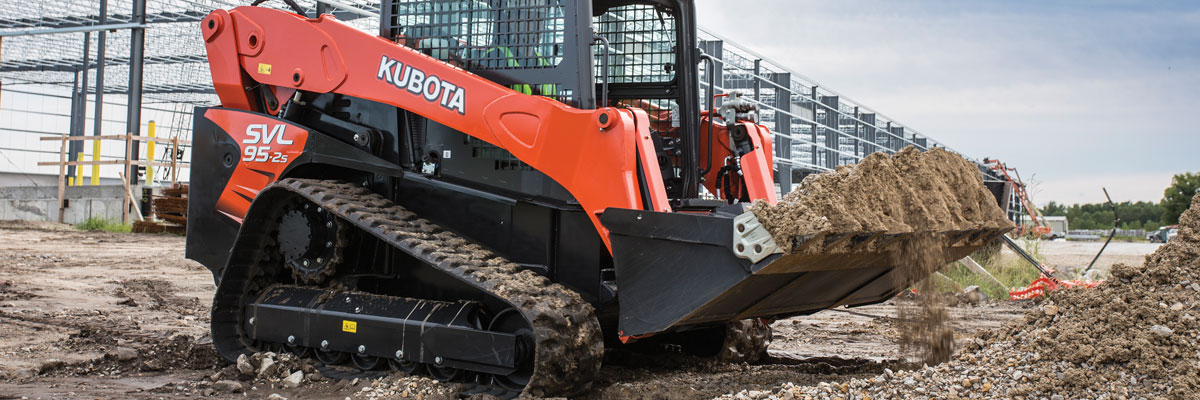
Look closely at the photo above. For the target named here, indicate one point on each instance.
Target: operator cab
(587, 54)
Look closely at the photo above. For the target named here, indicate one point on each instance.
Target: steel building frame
(816, 129)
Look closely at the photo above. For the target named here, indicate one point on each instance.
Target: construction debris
(169, 212)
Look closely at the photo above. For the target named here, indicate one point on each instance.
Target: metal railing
(816, 129)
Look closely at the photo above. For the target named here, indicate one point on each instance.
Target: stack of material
(169, 212)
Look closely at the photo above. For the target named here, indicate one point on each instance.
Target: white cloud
(1079, 93)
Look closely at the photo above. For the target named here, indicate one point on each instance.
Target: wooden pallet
(169, 212)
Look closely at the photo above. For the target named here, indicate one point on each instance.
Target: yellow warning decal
(349, 326)
(264, 68)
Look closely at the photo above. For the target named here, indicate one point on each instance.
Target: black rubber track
(569, 346)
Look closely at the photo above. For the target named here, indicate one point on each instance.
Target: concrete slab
(40, 203)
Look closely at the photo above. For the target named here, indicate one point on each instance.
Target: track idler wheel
(511, 321)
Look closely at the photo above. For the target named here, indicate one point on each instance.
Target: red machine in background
(1038, 228)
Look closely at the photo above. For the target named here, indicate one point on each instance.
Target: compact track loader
(495, 191)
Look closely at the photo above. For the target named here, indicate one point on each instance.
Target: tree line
(1134, 215)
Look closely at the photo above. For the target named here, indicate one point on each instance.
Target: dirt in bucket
(911, 191)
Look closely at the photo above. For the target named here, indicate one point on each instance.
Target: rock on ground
(228, 386)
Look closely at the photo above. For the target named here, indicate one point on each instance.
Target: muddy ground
(125, 316)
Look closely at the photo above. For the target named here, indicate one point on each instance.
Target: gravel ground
(124, 316)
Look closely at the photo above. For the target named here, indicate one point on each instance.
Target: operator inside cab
(504, 35)
(520, 42)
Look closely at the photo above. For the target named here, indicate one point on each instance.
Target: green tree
(1054, 209)
(1179, 195)
(1134, 215)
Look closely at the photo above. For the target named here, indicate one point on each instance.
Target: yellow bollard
(150, 154)
(79, 170)
(70, 181)
(96, 157)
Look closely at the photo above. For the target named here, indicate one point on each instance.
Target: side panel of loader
(241, 153)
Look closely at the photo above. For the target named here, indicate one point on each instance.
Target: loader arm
(594, 154)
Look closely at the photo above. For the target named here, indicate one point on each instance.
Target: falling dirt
(925, 331)
(911, 191)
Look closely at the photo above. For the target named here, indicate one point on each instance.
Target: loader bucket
(685, 269)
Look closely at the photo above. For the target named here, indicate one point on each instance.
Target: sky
(1077, 95)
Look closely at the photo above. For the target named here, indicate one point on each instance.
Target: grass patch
(1010, 269)
(101, 224)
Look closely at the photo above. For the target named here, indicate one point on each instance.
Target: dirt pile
(911, 191)
(1135, 336)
